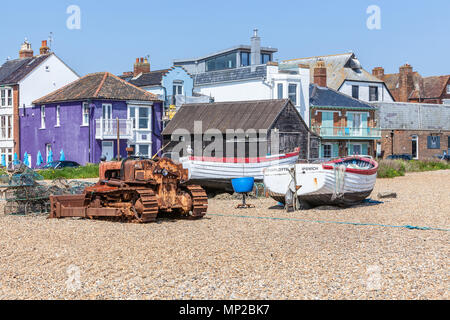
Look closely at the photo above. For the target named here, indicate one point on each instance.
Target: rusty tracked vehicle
(135, 190)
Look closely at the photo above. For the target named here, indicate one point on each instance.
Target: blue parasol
(16, 159)
(25, 159)
(62, 156)
(50, 156)
(39, 159)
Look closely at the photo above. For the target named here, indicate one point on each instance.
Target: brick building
(418, 129)
(346, 125)
(409, 86)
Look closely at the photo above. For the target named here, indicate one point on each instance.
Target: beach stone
(387, 194)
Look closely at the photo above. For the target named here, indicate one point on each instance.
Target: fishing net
(23, 194)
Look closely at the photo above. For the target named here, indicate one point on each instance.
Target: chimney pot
(25, 50)
(44, 48)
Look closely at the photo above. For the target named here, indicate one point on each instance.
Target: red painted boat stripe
(245, 160)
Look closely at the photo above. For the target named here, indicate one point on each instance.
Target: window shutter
(335, 150)
(350, 120)
(350, 149)
(364, 149)
(364, 120)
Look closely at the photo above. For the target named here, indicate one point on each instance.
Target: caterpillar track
(135, 190)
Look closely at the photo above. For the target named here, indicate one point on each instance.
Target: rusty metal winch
(135, 190)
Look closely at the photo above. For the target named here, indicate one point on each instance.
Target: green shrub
(390, 168)
(395, 168)
(88, 171)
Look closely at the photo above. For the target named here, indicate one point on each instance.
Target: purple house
(84, 118)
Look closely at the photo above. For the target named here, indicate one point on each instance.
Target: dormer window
(448, 89)
(245, 59)
(265, 57)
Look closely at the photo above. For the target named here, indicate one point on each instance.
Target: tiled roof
(259, 114)
(153, 78)
(430, 87)
(102, 85)
(340, 67)
(326, 97)
(13, 71)
(230, 75)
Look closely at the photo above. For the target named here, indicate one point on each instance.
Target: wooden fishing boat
(342, 182)
(217, 172)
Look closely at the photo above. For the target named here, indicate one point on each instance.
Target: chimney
(25, 50)
(44, 48)
(141, 66)
(255, 50)
(378, 72)
(406, 82)
(320, 74)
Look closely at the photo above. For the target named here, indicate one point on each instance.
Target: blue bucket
(242, 185)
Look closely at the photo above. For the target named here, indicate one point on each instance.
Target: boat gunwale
(328, 165)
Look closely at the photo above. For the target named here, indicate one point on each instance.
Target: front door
(414, 147)
(108, 150)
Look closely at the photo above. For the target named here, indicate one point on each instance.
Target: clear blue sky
(114, 33)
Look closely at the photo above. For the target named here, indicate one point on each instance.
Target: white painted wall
(245, 90)
(383, 94)
(236, 91)
(41, 82)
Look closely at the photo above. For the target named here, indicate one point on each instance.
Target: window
(143, 150)
(227, 61)
(293, 93)
(355, 92)
(327, 150)
(85, 114)
(357, 148)
(434, 142)
(133, 116)
(7, 154)
(177, 88)
(280, 90)
(58, 116)
(143, 118)
(9, 127)
(42, 117)
(265, 57)
(6, 97)
(373, 93)
(448, 88)
(245, 59)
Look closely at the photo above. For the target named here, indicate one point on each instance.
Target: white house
(22, 81)
(244, 73)
(345, 74)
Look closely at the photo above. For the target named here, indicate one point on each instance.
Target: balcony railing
(107, 129)
(347, 132)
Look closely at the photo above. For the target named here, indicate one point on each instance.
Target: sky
(112, 34)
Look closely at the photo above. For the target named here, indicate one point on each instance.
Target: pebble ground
(226, 257)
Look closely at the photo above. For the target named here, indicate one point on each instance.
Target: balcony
(106, 129)
(347, 133)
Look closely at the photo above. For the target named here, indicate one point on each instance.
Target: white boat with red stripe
(342, 182)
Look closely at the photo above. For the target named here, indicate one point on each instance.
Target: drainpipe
(392, 142)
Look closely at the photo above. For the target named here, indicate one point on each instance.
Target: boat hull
(321, 184)
(225, 169)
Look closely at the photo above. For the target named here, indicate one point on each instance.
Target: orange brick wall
(403, 143)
